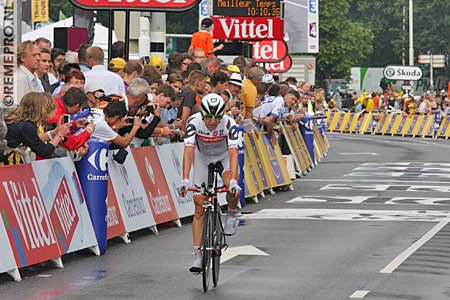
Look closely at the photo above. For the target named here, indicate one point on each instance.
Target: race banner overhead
(151, 5)
(248, 29)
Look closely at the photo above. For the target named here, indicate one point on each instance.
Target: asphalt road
(369, 222)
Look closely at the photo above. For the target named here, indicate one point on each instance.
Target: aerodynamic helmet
(212, 105)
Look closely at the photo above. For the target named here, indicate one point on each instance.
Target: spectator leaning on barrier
(114, 113)
(109, 81)
(69, 104)
(95, 94)
(23, 127)
(28, 58)
(249, 92)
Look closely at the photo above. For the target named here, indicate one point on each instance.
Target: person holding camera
(71, 104)
(25, 127)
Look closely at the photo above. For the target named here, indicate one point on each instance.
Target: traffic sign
(402, 73)
(426, 59)
(406, 88)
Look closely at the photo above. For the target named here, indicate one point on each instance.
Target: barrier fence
(45, 213)
(392, 123)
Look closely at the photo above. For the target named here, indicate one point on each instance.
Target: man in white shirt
(28, 58)
(110, 82)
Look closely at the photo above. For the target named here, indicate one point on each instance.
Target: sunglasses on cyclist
(207, 117)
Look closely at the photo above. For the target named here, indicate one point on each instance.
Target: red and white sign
(130, 193)
(153, 5)
(114, 219)
(248, 29)
(269, 51)
(172, 156)
(65, 204)
(155, 184)
(28, 225)
(279, 67)
(63, 214)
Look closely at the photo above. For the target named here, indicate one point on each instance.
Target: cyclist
(211, 137)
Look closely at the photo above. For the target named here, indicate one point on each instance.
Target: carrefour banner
(27, 223)
(130, 193)
(7, 261)
(65, 204)
(172, 157)
(155, 185)
(114, 221)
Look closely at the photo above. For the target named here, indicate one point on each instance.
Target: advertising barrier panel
(274, 167)
(64, 202)
(27, 223)
(155, 184)
(172, 157)
(130, 193)
(114, 220)
(93, 172)
(7, 261)
(253, 154)
(253, 179)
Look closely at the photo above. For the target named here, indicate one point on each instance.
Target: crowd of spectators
(391, 100)
(66, 99)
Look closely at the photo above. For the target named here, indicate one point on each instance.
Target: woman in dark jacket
(25, 125)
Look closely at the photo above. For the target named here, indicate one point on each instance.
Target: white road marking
(382, 168)
(373, 200)
(359, 294)
(385, 187)
(376, 174)
(240, 250)
(365, 187)
(362, 153)
(350, 215)
(413, 248)
(440, 175)
(367, 180)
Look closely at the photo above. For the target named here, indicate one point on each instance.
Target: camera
(66, 119)
(312, 88)
(150, 109)
(238, 104)
(130, 120)
(105, 98)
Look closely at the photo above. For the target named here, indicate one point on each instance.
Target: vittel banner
(65, 204)
(248, 29)
(27, 223)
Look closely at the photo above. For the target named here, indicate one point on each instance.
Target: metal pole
(411, 45)
(431, 73)
(110, 29)
(127, 34)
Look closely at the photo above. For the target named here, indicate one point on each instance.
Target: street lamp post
(411, 48)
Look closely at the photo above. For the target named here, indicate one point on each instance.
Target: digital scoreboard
(247, 8)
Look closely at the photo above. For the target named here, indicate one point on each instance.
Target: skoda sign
(402, 73)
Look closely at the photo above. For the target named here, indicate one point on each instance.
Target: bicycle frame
(213, 239)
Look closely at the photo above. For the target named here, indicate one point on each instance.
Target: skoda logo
(390, 72)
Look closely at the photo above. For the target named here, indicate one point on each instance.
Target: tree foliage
(343, 42)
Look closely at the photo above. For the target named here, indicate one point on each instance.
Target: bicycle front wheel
(207, 248)
(218, 243)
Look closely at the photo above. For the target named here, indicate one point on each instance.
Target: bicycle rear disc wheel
(207, 240)
(218, 242)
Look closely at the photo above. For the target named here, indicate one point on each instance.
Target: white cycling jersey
(211, 143)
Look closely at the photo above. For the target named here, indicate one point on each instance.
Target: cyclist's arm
(187, 160)
(234, 163)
